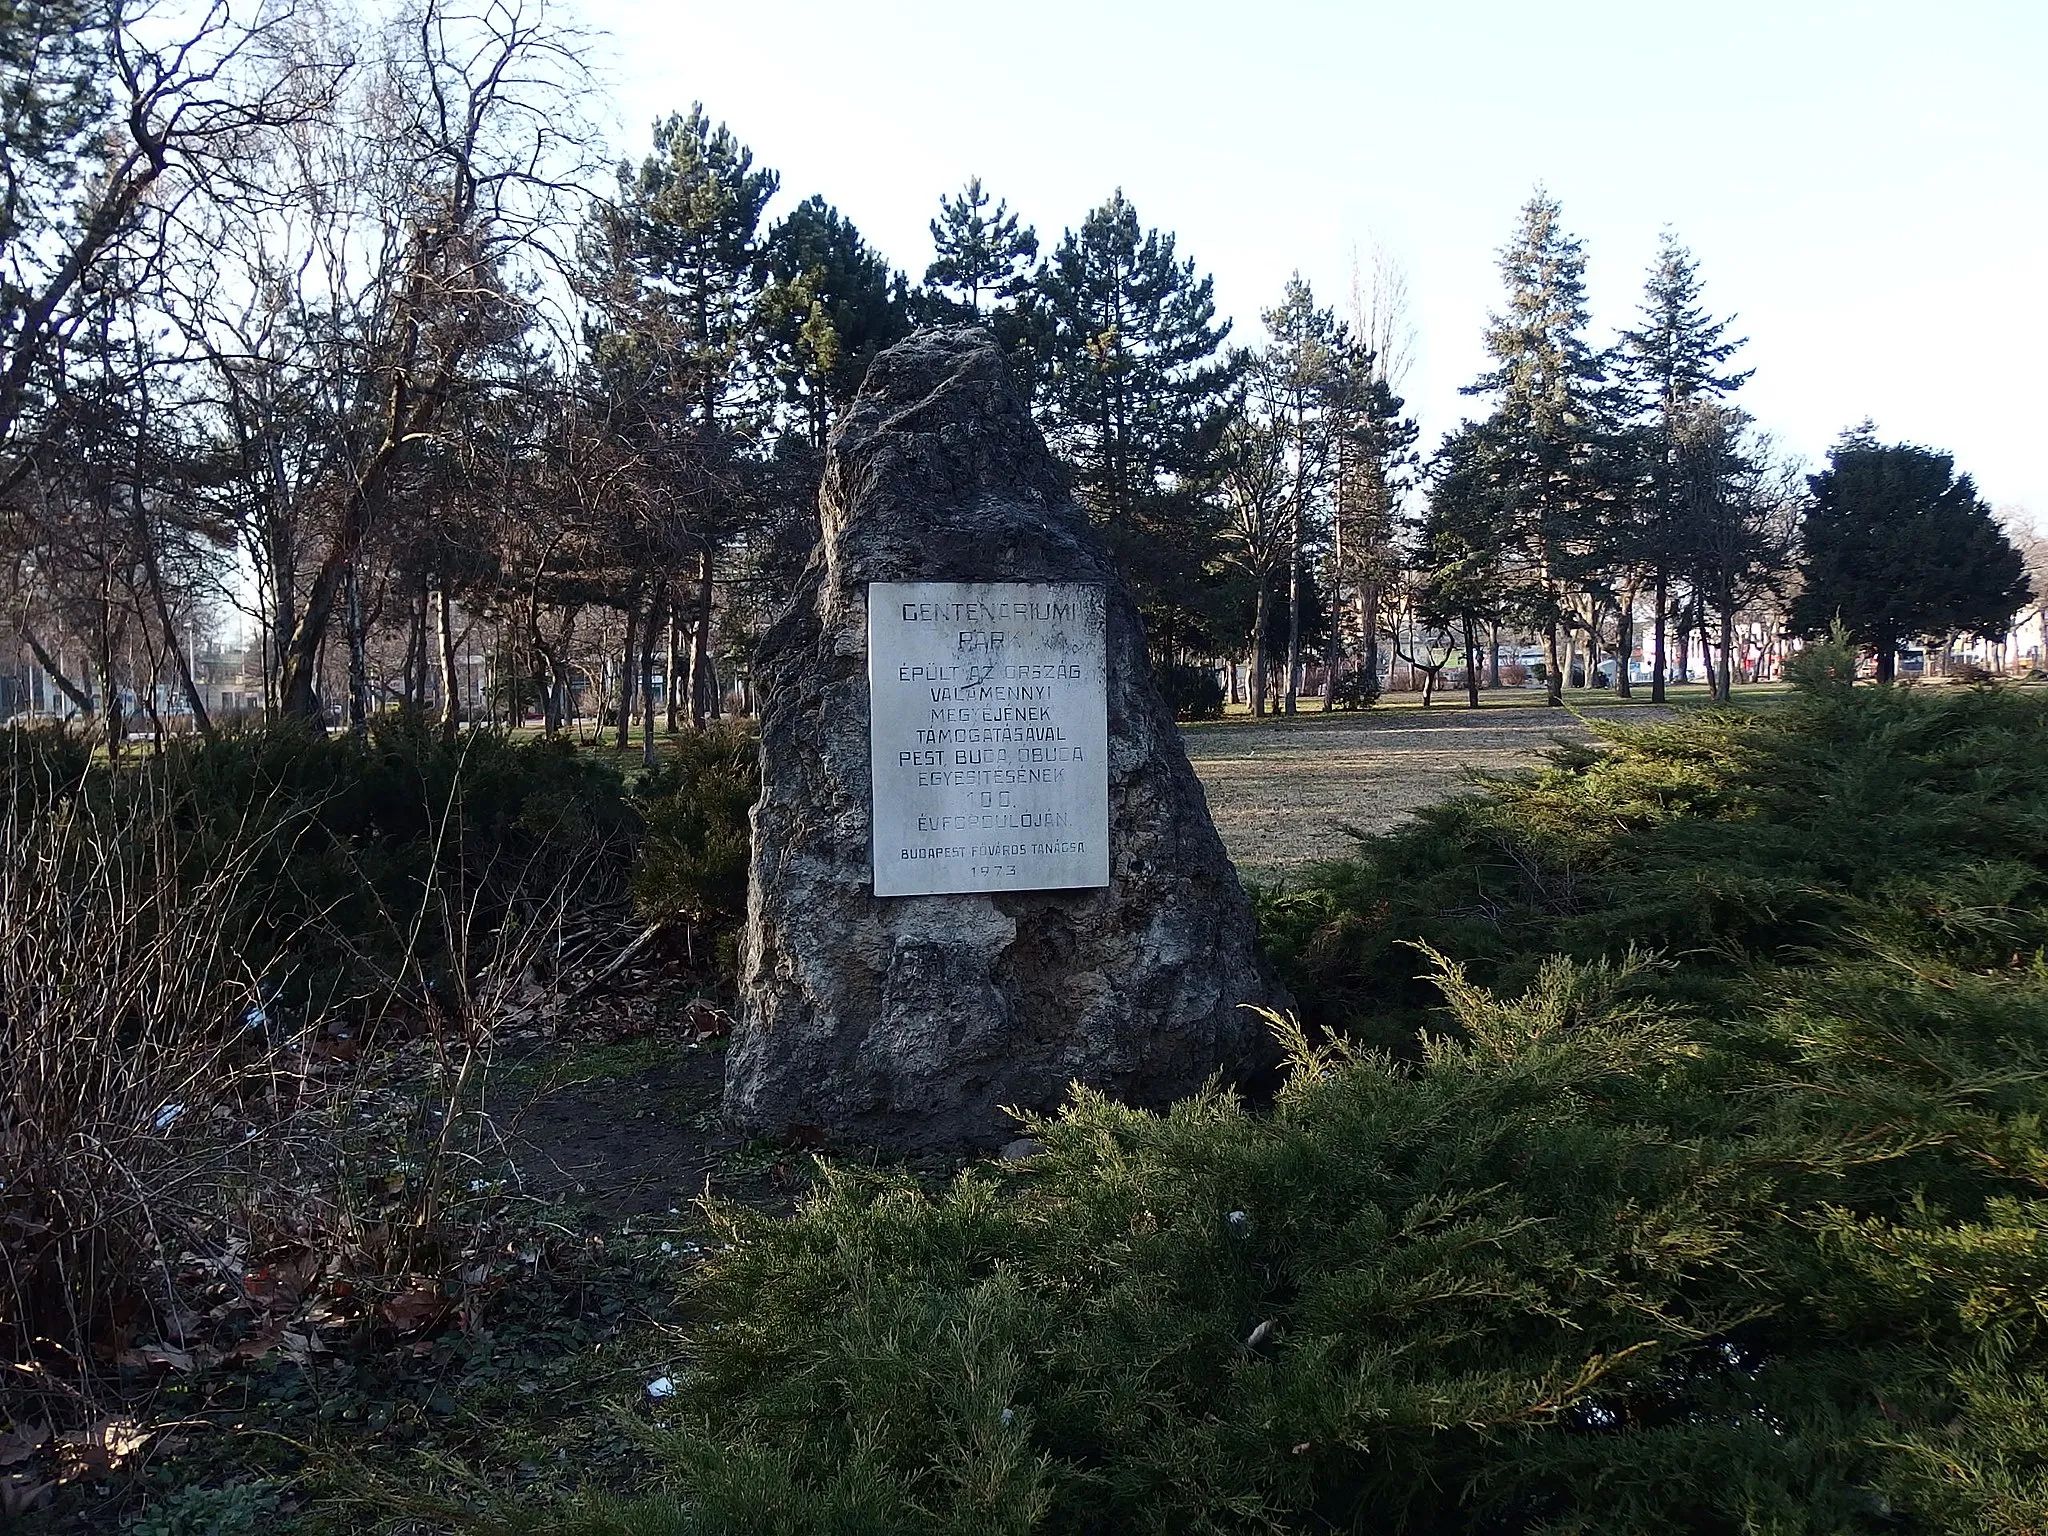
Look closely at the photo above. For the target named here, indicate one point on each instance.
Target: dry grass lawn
(1283, 795)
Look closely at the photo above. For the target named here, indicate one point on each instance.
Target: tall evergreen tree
(1302, 382)
(984, 271)
(1135, 402)
(1374, 471)
(1733, 540)
(832, 304)
(1548, 455)
(1897, 545)
(1459, 545)
(677, 270)
(688, 224)
(51, 101)
(1674, 364)
(982, 258)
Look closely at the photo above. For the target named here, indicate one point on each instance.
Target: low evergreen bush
(694, 851)
(393, 854)
(1191, 692)
(1680, 1167)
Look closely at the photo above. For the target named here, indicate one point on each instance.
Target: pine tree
(985, 271)
(1374, 471)
(832, 304)
(677, 271)
(1459, 544)
(1549, 452)
(1897, 546)
(1301, 384)
(1732, 540)
(689, 222)
(983, 260)
(51, 100)
(1134, 402)
(1674, 365)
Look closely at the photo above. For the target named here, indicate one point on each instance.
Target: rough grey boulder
(910, 1022)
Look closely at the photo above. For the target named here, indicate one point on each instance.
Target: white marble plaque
(989, 738)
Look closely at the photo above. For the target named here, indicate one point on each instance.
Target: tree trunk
(413, 681)
(358, 657)
(671, 695)
(1555, 692)
(300, 651)
(1471, 662)
(1293, 618)
(451, 684)
(1887, 661)
(1493, 656)
(111, 714)
(629, 681)
(1625, 645)
(703, 700)
(1259, 653)
(1727, 648)
(194, 700)
(1369, 621)
(55, 673)
(1657, 641)
(655, 607)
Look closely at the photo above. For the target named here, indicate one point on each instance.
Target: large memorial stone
(983, 869)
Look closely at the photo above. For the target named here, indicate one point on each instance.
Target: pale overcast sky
(1864, 183)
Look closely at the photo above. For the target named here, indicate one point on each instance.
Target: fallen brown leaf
(101, 1447)
(416, 1308)
(17, 1445)
(21, 1494)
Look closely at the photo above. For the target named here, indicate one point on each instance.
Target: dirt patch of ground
(1283, 795)
(630, 1136)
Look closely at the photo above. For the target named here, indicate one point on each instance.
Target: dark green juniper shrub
(378, 860)
(692, 864)
(1191, 692)
(41, 764)
(1707, 1191)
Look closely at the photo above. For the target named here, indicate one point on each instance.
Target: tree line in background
(324, 328)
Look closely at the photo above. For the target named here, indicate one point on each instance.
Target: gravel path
(1281, 794)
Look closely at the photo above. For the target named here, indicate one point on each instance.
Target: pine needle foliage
(1706, 1191)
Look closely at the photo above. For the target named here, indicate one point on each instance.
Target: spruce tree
(1549, 453)
(1134, 402)
(1674, 366)
(1897, 546)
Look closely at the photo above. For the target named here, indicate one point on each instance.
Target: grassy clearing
(1694, 1180)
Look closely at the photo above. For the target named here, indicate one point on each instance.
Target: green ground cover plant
(1663, 1152)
